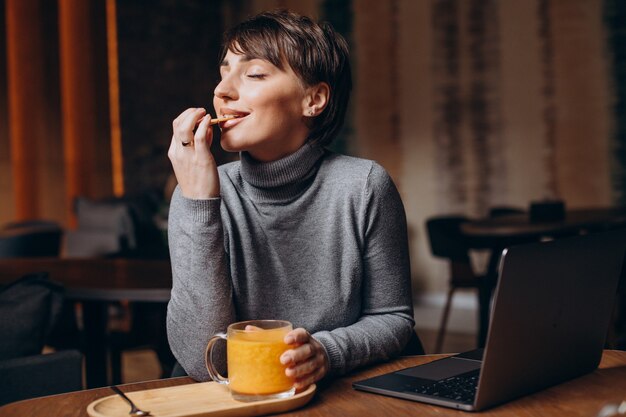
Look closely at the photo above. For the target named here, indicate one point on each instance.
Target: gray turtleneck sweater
(316, 238)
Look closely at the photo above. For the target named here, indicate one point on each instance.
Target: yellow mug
(253, 350)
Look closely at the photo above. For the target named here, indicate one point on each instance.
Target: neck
(289, 170)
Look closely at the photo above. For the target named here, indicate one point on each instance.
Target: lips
(227, 112)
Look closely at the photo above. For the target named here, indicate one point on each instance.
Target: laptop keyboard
(461, 388)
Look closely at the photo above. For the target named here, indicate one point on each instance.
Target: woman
(292, 231)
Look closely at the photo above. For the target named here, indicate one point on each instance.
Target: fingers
(297, 336)
(194, 165)
(182, 116)
(204, 134)
(307, 361)
(183, 126)
(310, 370)
(297, 355)
(305, 381)
(305, 364)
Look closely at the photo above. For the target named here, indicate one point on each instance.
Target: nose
(226, 89)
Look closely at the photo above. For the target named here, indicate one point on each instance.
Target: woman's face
(271, 103)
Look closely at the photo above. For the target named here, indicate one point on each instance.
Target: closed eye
(257, 76)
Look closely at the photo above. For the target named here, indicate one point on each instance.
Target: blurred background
(469, 104)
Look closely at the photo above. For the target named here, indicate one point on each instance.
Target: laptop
(550, 317)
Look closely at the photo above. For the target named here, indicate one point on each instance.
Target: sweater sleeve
(201, 303)
(386, 322)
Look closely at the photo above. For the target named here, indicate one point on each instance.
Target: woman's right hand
(194, 165)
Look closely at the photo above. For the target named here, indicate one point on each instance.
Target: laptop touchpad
(441, 369)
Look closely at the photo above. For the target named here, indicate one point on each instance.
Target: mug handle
(208, 359)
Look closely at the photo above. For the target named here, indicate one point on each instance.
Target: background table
(514, 228)
(498, 233)
(94, 282)
(581, 397)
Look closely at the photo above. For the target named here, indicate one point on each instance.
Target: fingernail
(284, 359)
(289, 340)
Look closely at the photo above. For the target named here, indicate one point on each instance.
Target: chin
(228, 148)
(232, 146)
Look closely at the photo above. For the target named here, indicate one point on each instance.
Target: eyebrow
(245, 58)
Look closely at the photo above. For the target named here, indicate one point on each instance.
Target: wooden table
(94, 282)
(583, 396)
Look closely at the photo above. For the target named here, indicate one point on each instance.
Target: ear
(315, 100)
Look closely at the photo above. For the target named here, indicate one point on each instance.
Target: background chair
(30, 239)
(124, 228)
(30, 309)
(39, 375)
(41, 238)
(116, 227)
(105, 228)
(145, 331)
(447, 242)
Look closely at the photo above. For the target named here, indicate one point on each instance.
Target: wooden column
(117, 163)
(87, 146)
(6, 178)
(25, 66)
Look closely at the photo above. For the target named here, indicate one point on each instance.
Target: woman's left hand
(307, 362)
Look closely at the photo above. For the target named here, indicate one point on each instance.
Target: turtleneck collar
(288, 170)
(282, 179)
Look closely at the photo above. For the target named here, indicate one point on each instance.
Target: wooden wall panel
(6, 178)
(377, 88)
(522, 104)
(50, 158)
(25, 75)
(583, 154)
(84, 102)
(418, 186)
(36, 153)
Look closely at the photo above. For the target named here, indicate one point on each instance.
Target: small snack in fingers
(222, 119)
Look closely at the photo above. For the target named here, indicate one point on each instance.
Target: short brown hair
(315, 52)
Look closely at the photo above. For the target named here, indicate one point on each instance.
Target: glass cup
(253, 350)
